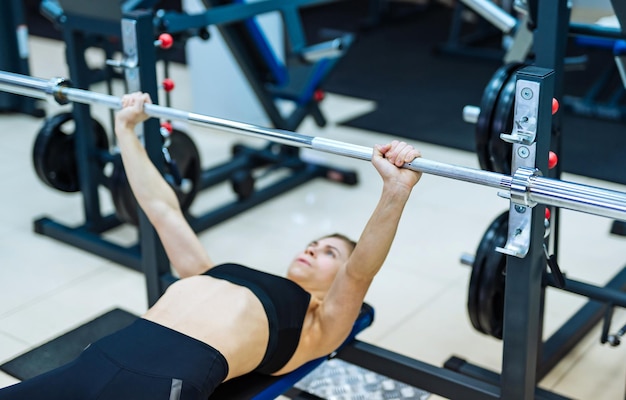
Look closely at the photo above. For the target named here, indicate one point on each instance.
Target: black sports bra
(285, 304)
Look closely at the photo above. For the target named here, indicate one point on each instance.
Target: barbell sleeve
(529, 185)
(578, 197)
(492, 13)
(471, 114)
(563, 188)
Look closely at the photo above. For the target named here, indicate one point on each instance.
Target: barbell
(526, 186)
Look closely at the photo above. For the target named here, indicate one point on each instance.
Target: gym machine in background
(497, 104)
(84, 26)
(491, 277)
(494, 22)
(14, 53)
(524, 247)
(513, 23)
(297, 79)
(497, 101)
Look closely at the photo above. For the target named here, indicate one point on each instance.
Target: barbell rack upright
(154, 262)
(538, 189)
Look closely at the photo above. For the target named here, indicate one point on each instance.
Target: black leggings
(142, 361)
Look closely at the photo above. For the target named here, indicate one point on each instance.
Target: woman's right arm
(154, 195)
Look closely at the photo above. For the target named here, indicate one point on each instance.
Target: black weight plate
(122, 195)
(491, 293)
(485, 247)
(54, 152)
(487, 108)
(185, 153)
(502, 122)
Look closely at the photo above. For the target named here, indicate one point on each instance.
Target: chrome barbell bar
(532, 190)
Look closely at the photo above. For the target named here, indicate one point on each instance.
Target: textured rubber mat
(339, 380)
(66, 347)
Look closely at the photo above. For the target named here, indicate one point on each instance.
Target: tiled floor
(48, 288)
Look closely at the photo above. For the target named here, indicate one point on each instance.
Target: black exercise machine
(483, 36)
(606, 96)
(488, 301)
(605, 99)
(84, 26)
(14, 53)
(299, 79)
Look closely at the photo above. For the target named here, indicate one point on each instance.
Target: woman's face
(315, 268)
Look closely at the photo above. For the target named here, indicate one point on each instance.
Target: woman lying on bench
(222, 321)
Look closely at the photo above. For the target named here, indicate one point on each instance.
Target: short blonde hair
(351, 243)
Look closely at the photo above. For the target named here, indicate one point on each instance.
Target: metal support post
(522, 304)
(549, 46)
(89, 170)
(140, 71)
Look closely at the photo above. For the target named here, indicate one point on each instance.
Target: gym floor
(48, 288)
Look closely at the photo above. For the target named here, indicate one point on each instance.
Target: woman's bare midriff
(226, 316)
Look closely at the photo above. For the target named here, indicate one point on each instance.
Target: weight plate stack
(54, 151)
(186, 157)
(488, 104)
(485, 300)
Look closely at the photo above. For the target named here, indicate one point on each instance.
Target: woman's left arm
(343, 302)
